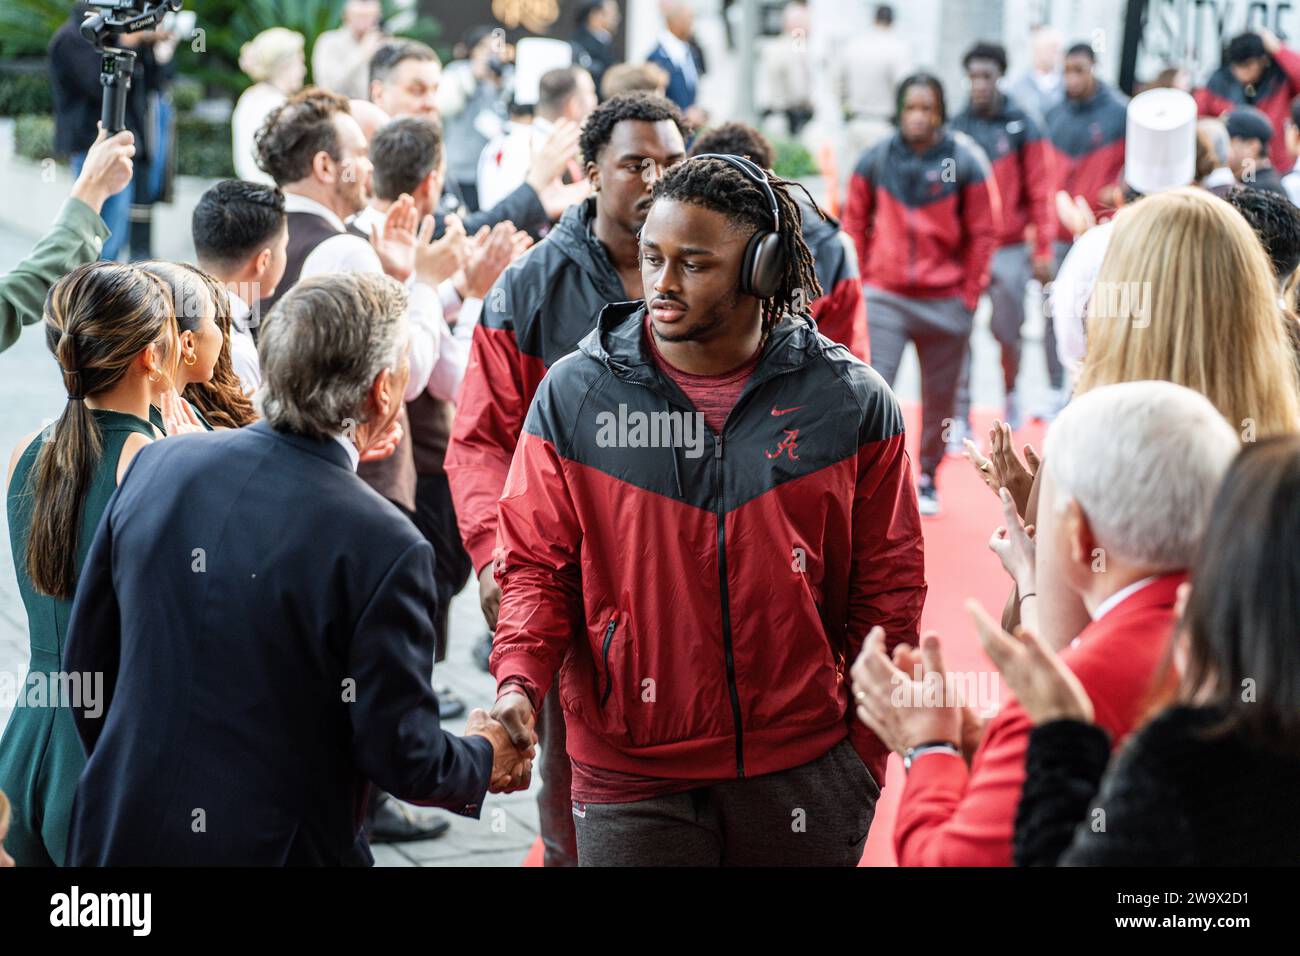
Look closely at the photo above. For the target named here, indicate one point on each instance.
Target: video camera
(115, 17)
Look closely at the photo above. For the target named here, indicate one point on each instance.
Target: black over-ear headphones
(765, 260)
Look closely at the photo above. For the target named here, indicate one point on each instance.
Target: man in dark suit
(265, 622)
(593, 41)
(679, 55)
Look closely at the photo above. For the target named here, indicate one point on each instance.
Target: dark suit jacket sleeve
(522, 207)
(94, 641)
(396, 740)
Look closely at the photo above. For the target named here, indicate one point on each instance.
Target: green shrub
(793, 161)
(26, 26)
(186, 94)
(25, 91)
(203, 148)
(34, 137)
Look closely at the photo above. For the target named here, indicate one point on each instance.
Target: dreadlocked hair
(719, 186)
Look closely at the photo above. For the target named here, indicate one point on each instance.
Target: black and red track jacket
(1088, 147)
(1022, 166)
(925, 226)
(1272, 96)
(841, 310)
(702, 602)
(537, 312)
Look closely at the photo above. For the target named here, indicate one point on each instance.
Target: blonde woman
(276, 63)
(1186, 295)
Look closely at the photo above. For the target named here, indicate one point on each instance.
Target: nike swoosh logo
(785, 411)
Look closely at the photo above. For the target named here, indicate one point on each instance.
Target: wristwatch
(911, 753)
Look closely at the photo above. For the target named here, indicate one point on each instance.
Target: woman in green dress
(208, 391)
(112, 330)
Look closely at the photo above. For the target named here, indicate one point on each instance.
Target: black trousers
(435, 516)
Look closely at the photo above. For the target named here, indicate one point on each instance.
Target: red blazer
(952, 816)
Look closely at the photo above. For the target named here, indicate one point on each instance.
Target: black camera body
(116, 17)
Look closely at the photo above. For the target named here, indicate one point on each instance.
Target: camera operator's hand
(107, 169)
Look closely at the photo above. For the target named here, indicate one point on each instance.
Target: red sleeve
(1210, 104)
(537, 568)
(1040, 188)
(499, 385)
(981, 215)
(887, 575)
(1289, 61)
(841, 316)
(858, 212)
(951, 817)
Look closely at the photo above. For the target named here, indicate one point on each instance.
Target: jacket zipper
(604, 655)
(728, 650)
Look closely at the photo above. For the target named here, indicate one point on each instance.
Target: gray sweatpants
(1009, 275)
(817, 814)
(556, 774)
(941, 329)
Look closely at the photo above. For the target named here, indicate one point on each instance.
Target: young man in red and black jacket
(1087, 130)
(535, 314)
(841, 310)
(1020, 156)
(1257, 71)
(923, 210)
(710, 506)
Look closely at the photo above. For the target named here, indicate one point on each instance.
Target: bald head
(369, 117)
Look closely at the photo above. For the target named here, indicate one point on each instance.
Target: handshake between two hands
(510, 728)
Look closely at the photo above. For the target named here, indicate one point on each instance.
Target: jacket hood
(815, 228)
(573, 237)
(618, 343)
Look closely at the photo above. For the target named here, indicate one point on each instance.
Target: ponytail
(98, 319)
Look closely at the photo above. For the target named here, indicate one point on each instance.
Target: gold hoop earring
(154, 377)
(190, 358)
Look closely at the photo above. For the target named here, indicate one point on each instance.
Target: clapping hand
(490, 252)
(1044, 686)
(895, 704)
(395, 243)
(385, 444)
(177, 415)
(554, 157)
(1003, 468)
(1014, 544)
(436, 261)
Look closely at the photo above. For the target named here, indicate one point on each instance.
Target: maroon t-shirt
(714, 396)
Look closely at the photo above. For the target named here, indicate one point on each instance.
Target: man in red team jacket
(1257, 71)
(709, 507)
(1020, 156)
(1122, 547)
(923, 210)
(1087, 130)
(536, 313)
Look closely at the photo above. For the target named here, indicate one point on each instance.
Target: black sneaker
(449, 702)
(927, 496)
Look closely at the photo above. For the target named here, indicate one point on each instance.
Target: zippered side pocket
(604, 654)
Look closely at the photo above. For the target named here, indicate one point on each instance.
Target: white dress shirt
(1112, 602)
(243, 350)
(503, 164)
(354, 456)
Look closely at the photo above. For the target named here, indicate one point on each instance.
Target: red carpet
(958, 566)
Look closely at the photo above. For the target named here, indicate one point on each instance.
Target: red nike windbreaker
(700, 598)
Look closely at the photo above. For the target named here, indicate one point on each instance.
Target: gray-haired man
(265, 620)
